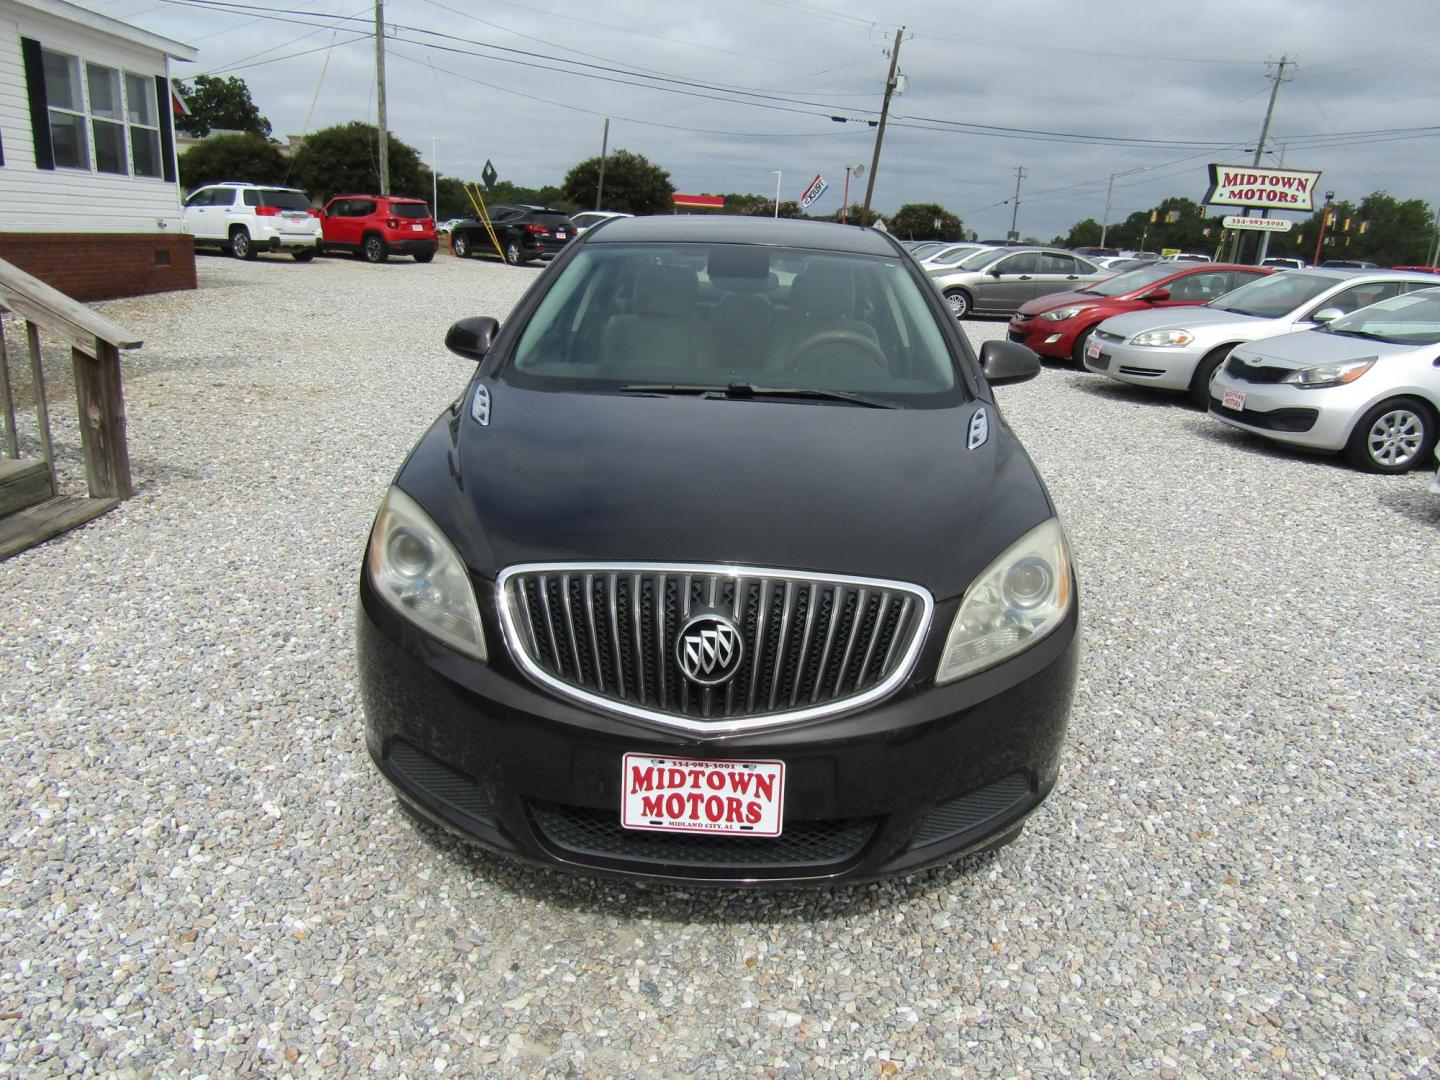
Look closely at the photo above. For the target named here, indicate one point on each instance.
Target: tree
(345, 158)
(1083, 234)
(222, 104)
(917, 221)
(232, 157)
(632, 184)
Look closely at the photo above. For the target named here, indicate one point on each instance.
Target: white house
(89, 200)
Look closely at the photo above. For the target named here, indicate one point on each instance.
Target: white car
(1365, 383)
(246, 219)
(588, 219)
(1179, 349)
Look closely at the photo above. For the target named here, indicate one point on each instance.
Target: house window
(109, 123)
(106, 124)
(67, 111)
(144, 117)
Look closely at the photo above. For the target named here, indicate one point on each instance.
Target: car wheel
(424, 256)
(1078, 352)
(240, 245)
(302, 256)
(1394, 436)
(513, 254)
(959, 301)
(375, 250)
(1200, 381)
(460, 244)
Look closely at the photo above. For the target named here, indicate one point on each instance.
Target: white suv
(247, 219)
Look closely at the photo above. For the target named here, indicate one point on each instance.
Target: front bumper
(1055, 340)
(928, 774)
(1320, 419)
(1169, 369)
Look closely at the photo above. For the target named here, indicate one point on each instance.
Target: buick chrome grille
(712, 648)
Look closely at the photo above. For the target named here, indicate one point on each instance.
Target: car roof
(248, 184)
(726, 229)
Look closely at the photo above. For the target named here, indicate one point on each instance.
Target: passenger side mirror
(1004, 362)
(1328, 315)
(1155, 296)
(472, 337)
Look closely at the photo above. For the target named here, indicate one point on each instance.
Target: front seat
(663, 332)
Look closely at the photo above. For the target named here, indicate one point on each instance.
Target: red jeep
(378, 226)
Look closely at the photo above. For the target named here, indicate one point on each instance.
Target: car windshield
(1129, 282)
(984, 257)
(1274, 296)
(738, 320)
(284, 200)
(1409, 319)
(410, 209)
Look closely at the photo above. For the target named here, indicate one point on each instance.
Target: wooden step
(38, 523)
(23, 482)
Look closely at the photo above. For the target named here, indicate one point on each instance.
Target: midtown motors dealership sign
(1244, 185)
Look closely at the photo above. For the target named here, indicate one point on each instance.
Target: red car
(378, 226)
(1058, 325)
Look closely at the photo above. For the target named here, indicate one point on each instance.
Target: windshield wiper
(1357, 333)
(749, 390)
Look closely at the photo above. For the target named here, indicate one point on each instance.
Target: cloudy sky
(723, 95)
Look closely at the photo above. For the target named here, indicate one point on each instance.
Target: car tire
(1200, 381)
(959, 301)
(514, 254)
(460, 245)
(424, 256)
(1078, 352)
(1393, 437)
(375, 249)
(241, 245)
(303, 256)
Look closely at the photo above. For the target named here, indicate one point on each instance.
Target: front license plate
(1234, 399)
(1092, 349)
(662, 794)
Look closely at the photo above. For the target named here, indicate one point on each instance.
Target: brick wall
(103, 266)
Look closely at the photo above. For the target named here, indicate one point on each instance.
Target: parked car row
(247, 219)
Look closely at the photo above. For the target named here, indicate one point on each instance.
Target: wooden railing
(32, 508)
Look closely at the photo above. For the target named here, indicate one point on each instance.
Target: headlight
(1163, 339)
(1061, 314)
(1330, 374)
(1016, 601)
(416, 570)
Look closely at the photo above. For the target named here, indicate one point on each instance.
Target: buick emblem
(709, 649)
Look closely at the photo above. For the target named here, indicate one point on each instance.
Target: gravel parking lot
(1238, 872)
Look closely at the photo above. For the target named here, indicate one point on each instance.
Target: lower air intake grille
(803, 845)
(422, 775)
(973, 809)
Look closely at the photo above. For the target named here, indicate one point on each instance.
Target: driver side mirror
(1328, 315)
(472, 337)
(1155, 296)
(1004, 362)
(994, 271)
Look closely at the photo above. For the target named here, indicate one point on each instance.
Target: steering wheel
(815, 342)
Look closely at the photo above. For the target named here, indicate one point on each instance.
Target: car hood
(1312, 348)
(1213, 320)
(1054, 300)
(887, 493)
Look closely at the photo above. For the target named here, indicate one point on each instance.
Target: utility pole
(1435, 251)
(384, 141)
(1279, 77)
(604, 150)
(880, 131)
(1105, 224)
(1015, 208)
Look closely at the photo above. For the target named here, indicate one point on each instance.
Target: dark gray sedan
(998, 281)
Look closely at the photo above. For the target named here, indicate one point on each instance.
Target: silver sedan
(1180, 350)
(999, 281)
(1366, 384)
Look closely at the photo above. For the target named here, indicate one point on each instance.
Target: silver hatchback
(1366, 384)
(999, 281)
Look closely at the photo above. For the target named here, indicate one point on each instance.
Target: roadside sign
(488, 174)
(817, 188)
(1170, 251)
(1258, 224)
(1245, 185)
